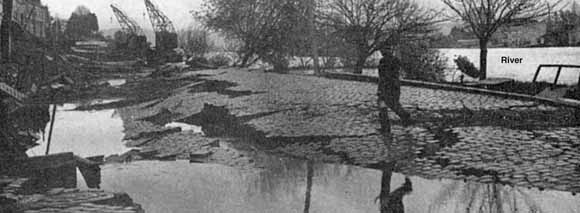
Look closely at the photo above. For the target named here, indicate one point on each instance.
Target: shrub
(466, 67)
(330, 62)
(419, 62)
(195, 41)
(197, 61)
(220, 60)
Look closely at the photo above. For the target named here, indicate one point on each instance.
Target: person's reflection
(391, 202)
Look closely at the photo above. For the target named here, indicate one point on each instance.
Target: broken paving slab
(158, 133)
(74, 200)
(13, 198)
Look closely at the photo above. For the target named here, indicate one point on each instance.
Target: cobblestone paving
(458, 135)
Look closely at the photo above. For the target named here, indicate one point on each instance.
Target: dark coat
(389, 83)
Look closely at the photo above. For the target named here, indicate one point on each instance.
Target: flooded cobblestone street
(334, 106)
(253, 151)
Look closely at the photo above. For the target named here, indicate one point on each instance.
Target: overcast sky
(176, 10)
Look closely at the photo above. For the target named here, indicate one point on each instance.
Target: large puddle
(283, 187)
(85, 133)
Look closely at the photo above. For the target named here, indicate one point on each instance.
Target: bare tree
(367, 26)
(196, 41)
(266, 29)
(485, 17)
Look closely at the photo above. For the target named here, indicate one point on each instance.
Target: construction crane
(165, 35)
(133, 37)
(127, 24)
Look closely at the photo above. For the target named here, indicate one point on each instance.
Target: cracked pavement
(457, 135)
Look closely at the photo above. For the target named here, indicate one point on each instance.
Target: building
(574, 34)
(32, 16)
(574, 37)
(575, 7)
(521, 35)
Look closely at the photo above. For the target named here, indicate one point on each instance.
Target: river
(531, 59)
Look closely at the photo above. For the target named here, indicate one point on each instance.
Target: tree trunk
(280, 66)
(360, 64)
(5, 30)
(245, 59)
(312, 35)
(483, 59)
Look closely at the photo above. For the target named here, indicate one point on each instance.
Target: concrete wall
(31, 15)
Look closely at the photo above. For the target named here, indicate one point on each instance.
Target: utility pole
(6, 31)
(312, 34)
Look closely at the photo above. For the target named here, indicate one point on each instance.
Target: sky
(176, 10)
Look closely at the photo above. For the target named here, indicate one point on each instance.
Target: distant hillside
(446, 27)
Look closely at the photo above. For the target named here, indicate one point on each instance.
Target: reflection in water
(87, 104)
(458, 196)
(287, 185)
(309, 176)
(392, 202)
(84, 133)
(280, 187)
(472, 197)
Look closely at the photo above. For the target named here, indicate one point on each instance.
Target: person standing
(389, 89)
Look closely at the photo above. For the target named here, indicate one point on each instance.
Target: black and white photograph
(290, 106)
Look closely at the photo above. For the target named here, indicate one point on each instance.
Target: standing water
(85, 133)
(282, 186)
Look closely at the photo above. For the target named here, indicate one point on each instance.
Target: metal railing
(559, 66)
